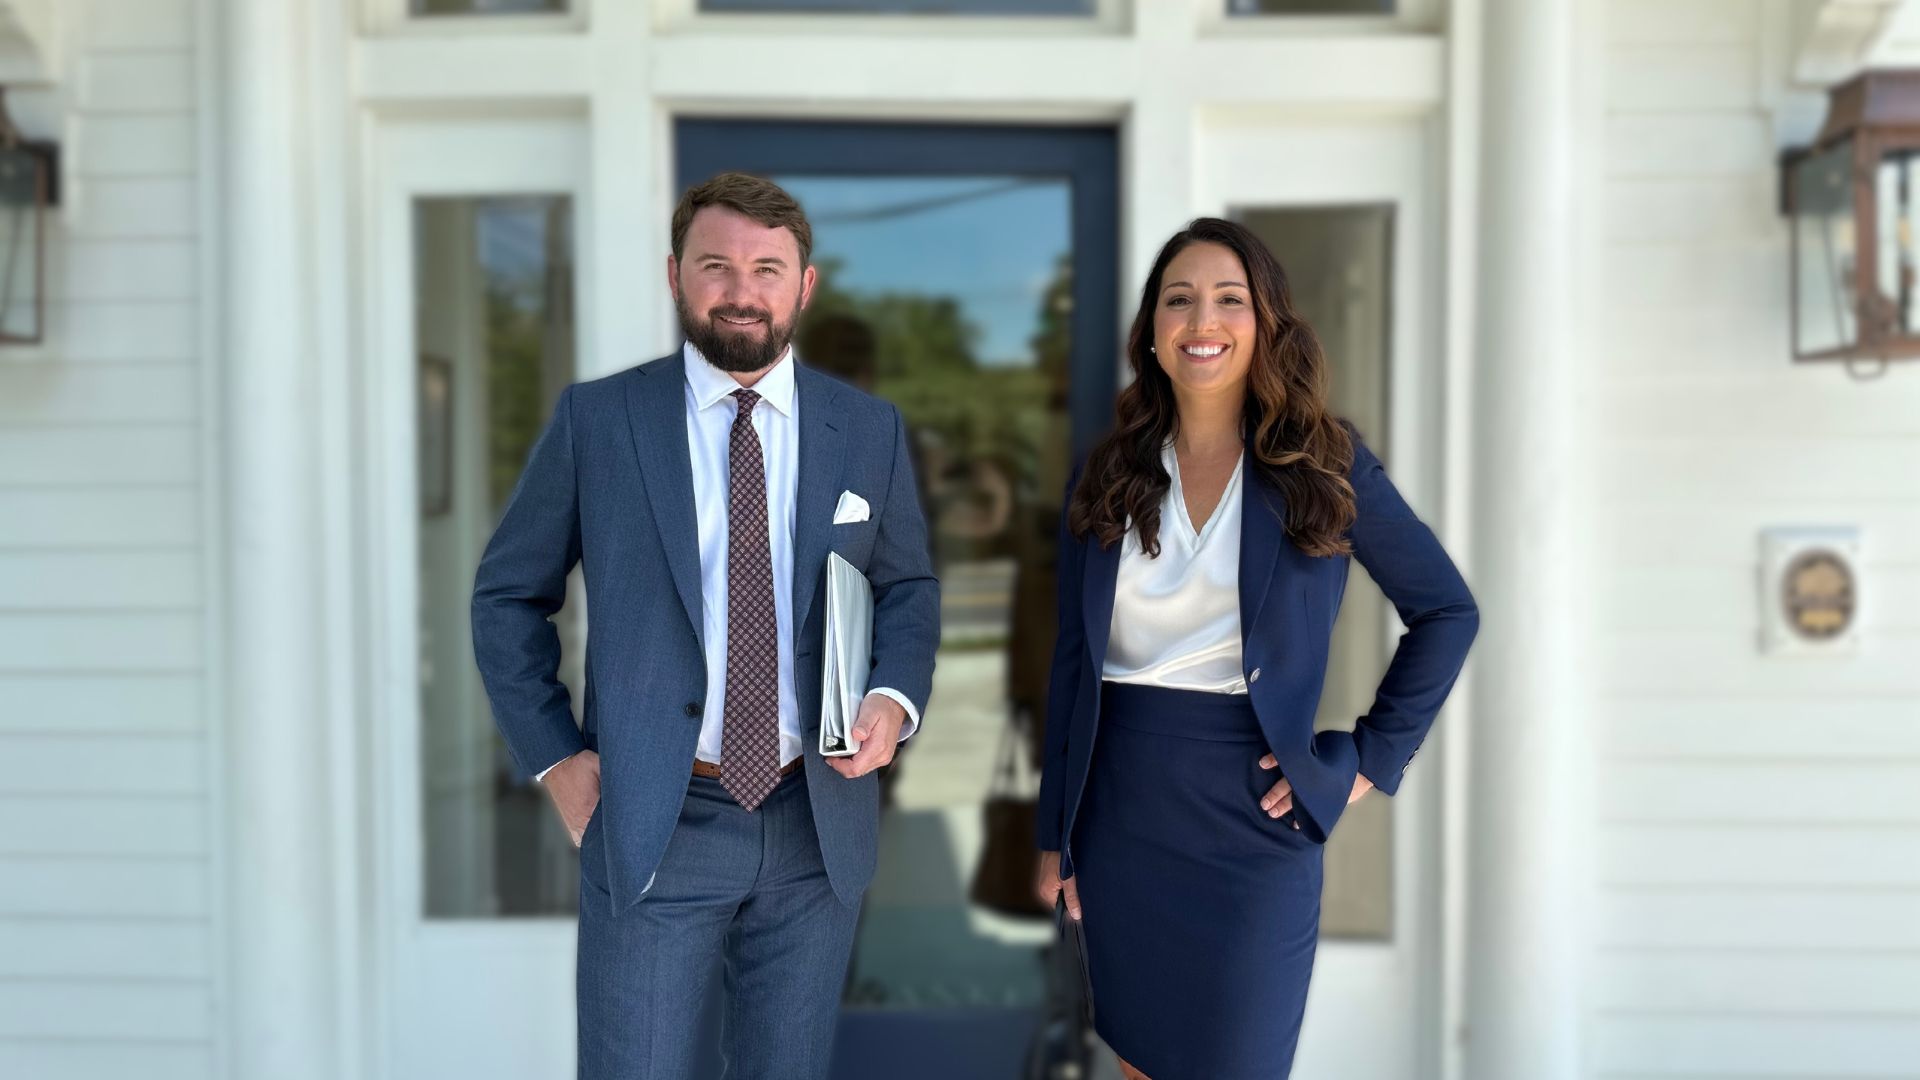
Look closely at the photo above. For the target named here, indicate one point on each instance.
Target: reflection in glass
(1824, 249)
(950, 297)
(495, 336)
(487, 7)
(908, 7)
(1311, 7)
(1339, 262)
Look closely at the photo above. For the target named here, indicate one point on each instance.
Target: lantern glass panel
(1824, 250)
(1897, 206)
(20, 225)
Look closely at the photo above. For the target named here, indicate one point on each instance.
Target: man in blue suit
(701, 492)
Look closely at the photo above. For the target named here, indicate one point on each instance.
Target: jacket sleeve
(906, 595)
(1406, 560)
(521, 583)
(1063, 684)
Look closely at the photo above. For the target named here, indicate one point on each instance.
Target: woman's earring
(1150, 348)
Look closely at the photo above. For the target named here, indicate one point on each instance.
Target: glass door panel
(493, 322)
(1339, 264)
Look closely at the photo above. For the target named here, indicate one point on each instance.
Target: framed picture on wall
(436, 435)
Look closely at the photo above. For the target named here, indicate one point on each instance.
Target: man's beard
(734, 349)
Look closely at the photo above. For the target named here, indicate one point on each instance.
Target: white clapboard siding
(105, 763)
(85, 825)
(56, 580)
(1824, 1045)
(1731, 918)
(1694, 597)
(53, 393)
(1712, 530)
(1683, 22)
(103, 1012)
(1726, 661)
(1758, 817)
(109, 894)
(134, 454)
(1660, 78)
(1689, 209)
(104, 949)
(65, 1059)
(119, 331)
(70, 885)
(78, 519)
(104, 641)
(1759, 856)
(1730, 729)
(1704, 144)
(147, 207)
(1751, 404)
(88, 703)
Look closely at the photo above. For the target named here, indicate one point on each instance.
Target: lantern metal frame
(1879, 112)
(46, 159)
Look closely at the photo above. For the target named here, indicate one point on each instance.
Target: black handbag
(1062, 1046)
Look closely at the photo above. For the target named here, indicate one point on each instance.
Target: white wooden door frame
(1371, 997)
(441, 978)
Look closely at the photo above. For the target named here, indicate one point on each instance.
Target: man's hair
(757, 197)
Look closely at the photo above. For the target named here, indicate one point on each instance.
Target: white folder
(847, 655)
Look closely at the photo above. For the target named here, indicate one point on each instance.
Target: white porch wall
(1758, 908)
(108, 966)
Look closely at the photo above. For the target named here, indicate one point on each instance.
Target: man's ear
(807, 281)
(673, 276)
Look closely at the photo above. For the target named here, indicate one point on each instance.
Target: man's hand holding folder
(858, 730)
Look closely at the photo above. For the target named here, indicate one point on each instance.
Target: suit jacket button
(1254, 675)
(693, 708)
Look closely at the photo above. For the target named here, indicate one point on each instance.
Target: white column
(1526, 854)
(282, 1015)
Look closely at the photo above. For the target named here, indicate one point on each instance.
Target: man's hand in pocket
(574, 786)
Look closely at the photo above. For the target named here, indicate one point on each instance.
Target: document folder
(847, 655)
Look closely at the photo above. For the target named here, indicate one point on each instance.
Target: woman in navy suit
(1185, 796)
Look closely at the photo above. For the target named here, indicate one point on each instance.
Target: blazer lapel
(1262, 542)
(822, 454)
(1101, 569)
(657, 411)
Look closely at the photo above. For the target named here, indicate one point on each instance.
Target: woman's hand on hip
(1048, 883)
(1361, 785)
(1278, 801)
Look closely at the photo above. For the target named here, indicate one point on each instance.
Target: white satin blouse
(1176, 618)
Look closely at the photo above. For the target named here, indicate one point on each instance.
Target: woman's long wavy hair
(1298, 446)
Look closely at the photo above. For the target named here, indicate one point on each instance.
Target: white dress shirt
(711, 409)
(1176, 618)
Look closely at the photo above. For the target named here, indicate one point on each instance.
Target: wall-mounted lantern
(28, 176)
(1854, 200)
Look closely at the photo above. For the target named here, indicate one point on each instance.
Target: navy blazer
(609, 485)
(1288, 601)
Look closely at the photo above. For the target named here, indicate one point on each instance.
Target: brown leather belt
(708, 768)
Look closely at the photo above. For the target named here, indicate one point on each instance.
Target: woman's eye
(1176, 301)
(1229, 299)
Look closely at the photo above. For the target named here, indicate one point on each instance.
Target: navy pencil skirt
(1200, 912)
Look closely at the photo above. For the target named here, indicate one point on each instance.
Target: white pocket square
(852, 508)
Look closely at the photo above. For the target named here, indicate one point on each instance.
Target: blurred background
(1622, 291)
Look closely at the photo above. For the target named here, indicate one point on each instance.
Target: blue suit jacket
(609, 484)
(1288, 601)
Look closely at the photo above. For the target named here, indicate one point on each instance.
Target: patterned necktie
(750, 726)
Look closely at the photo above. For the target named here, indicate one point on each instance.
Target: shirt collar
(711, 386)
